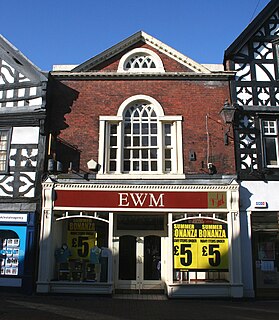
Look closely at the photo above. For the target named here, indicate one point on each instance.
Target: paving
(132, 307)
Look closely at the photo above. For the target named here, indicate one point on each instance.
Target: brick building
(141, 192)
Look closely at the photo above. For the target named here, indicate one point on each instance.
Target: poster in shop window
(12, 250)
(199, 246)
(81, 237)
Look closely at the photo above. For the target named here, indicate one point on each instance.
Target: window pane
(113, 141)
(167, 128)
(136, 128)
(136, 141)
(136, 154)
(167, 153)
(126, 165)
(145, 166)
(112, 154)
(153, 153)
(153, 128)
(113, 128)
(4, 134)
(271, 153)
(153, 165)
(153, 141)
(144, 153)
(3, 145)
(127, 128)
(126, 154)
(167, 141)
(112, 166)
(127, 141)
(144, 141)
(136, 166)
(167, 165)
(144, 128)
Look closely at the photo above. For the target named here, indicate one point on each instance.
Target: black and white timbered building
(254, 56)
(22, 115)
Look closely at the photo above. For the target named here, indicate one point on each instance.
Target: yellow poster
(81, 237)
(200, 246)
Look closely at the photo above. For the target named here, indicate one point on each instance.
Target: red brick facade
(198, 99)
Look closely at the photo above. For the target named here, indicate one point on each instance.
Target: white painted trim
(154, 43)
(139, 51)
(140, 97)
(145, 175)
(120, 186)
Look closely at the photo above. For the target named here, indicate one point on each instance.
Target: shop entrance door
(139, 263)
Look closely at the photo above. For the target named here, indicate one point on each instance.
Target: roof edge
(153, 42)
(250, 29)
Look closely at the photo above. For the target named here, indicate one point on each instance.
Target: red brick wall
(192, 99)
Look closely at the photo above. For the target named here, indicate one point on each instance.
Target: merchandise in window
(81, 254)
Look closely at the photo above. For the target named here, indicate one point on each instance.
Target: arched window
(141, 140)
(140, 60)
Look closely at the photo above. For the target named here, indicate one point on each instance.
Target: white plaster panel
(263, 51)
(252, 191)
(262, 75)
(23, 135)
(6, 186)
(28, 182)
(35, 102)
(243, 72)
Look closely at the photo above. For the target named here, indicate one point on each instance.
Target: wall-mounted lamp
(227, 113)
(92, 165)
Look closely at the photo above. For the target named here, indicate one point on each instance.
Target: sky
(72, 31)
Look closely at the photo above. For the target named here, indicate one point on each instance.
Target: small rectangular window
(4, 148)
(168, 147)
(270, 142)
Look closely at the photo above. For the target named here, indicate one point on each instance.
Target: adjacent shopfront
(181, 239)
(17, 237)
(260, 223)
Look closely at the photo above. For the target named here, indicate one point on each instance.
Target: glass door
(139, 262)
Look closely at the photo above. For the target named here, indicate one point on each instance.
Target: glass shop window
(81, 251)
(200, 251)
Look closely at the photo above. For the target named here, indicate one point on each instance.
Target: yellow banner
(81, 238)
(200, 246)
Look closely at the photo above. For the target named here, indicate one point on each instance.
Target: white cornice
(138, 188)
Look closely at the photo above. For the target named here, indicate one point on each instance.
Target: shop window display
(200, 250)
(12, 251)
(83, 255)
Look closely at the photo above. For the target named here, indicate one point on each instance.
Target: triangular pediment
(140, 38)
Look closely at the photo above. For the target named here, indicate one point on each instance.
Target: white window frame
(176, 171)
(273, 135)
(4, 163)
(144, 53)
